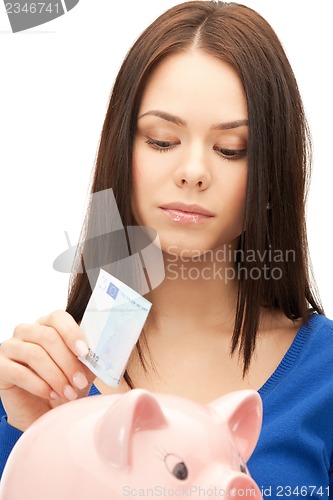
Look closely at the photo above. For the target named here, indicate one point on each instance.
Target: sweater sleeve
(8, 438)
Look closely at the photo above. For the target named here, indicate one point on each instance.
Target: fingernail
(81, 348)
(79, 380)
(54, 395)
(69, 393)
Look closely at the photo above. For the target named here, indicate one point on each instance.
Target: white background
(54, 88)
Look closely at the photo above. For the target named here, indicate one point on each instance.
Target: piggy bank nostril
(242, 468)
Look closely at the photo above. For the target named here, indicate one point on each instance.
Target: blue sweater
(294, 454)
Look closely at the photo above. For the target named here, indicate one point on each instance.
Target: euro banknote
(112, 323)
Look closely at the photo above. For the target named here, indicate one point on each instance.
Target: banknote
(112, 323)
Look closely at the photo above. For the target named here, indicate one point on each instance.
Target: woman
(205, 140)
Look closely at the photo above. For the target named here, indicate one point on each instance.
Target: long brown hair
(279, 155)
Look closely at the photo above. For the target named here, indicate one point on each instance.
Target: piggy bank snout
(228, 481)
(241, 485)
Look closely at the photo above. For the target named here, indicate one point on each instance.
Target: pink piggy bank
(137, 444)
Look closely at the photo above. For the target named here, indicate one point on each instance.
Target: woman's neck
(199, 291)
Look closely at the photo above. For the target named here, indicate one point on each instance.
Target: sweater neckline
(290, 357)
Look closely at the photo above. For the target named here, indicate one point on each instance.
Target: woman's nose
(193, 173)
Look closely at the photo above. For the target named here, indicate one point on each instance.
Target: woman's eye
(161, 145)
(231, 154)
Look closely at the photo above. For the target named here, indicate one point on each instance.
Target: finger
(36, 358)
(42, 348)
(15, 374)
(68, 329)
(64, 328)
(53, 342)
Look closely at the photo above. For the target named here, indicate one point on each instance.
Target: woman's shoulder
(318, 326)
(310, 357)
(314, 341)
(314, 328)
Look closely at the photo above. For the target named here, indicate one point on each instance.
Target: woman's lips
(186, 214)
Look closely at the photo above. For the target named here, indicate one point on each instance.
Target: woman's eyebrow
(165, 116)
(179, 121)
(230, 125)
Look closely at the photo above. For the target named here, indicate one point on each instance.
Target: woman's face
(190, 148)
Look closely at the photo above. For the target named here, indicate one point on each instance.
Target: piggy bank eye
(180, 471)
(176, 466)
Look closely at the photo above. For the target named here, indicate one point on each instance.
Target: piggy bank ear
(134, 411)
(242, 410)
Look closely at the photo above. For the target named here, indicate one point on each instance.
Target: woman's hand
(39, 368)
